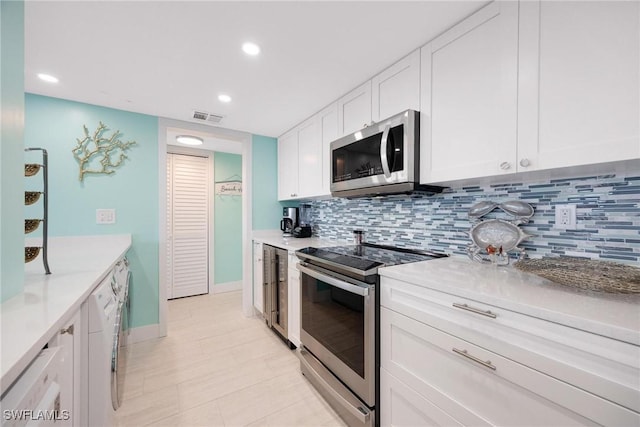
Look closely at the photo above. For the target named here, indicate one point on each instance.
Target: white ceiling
(168, 58)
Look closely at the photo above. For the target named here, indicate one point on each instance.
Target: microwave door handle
(383, 152)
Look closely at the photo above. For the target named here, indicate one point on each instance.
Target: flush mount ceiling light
(48, 78)
(224, 98)
(189, 140)
(251, 48)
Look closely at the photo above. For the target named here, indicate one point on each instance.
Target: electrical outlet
(566, 217)
(105, 216)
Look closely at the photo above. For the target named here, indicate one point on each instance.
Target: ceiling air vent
(207, 117)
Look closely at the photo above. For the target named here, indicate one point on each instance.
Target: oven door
(338, 327)
(381, 154)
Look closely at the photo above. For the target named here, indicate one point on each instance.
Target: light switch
(105, 216)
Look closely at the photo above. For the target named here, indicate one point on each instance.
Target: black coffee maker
(304, 223)
(289, 221)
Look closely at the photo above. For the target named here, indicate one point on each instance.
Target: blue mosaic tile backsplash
(608, 218)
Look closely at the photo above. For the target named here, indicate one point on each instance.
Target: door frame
(229, 141)
(210, 156)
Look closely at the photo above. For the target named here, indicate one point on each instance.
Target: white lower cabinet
(405, 407)
(440, 365)
(293, 302)
(258, 283)
(69, 340)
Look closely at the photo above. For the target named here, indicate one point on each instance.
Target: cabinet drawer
(600, 365)
(471, 382)
(402, 406)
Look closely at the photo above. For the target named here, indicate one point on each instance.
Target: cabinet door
(469, 97)
(397, 88)
(293, 302)
(309, 158)
(401, 406)
(257, 276)
(329, 133)
(288, 165)
(354, 110)
(479, 387)
(69, 339)
(579, 83)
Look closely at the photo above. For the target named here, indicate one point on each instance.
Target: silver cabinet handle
(505, 165)
(68, 330)
(524, 163)
(487, 313)
(464, 353)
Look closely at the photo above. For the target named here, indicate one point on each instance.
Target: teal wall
(132, 191)
(227, 221)
(267, 211)
(11, 148)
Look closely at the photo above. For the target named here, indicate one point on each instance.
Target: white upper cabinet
(329, 133)
(304, 158)
(309, 158)
(288, 165)
(469, 94)
(579, 83)
(354, 110)
(527, 86)
(397, 88)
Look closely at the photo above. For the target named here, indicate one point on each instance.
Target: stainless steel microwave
(383, 158)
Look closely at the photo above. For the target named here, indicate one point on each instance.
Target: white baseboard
(219, 288)
(143, 333)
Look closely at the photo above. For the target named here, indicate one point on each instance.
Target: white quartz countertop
(275, 238)
(612, 315)
(30, 319)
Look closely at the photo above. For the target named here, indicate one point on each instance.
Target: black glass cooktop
(367, 256)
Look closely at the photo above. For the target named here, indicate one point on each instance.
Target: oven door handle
(349, 287)
(383, 151)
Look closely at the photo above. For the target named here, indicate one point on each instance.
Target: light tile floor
(218, 368)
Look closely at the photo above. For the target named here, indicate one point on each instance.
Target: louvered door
(188, 180)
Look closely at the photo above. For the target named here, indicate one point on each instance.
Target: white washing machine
(120, 284)
(120, 279)
(103, 313)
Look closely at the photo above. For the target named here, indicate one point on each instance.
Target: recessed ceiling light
(251, 48)
(224, 98)
(189, 140)
(47, 78)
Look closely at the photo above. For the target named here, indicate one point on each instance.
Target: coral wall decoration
(100, 154)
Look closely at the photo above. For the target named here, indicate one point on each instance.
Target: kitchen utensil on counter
(497, 237)
(305, 215)
(30, 253)
(481, 208)
(289, 220)
(30, 197)
(304, 228)
(31, 169)
(584, 273)
(302, 231)
(521, 210)
(358, 237)
(31, 225)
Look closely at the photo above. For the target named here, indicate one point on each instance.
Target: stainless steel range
(339, 323)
